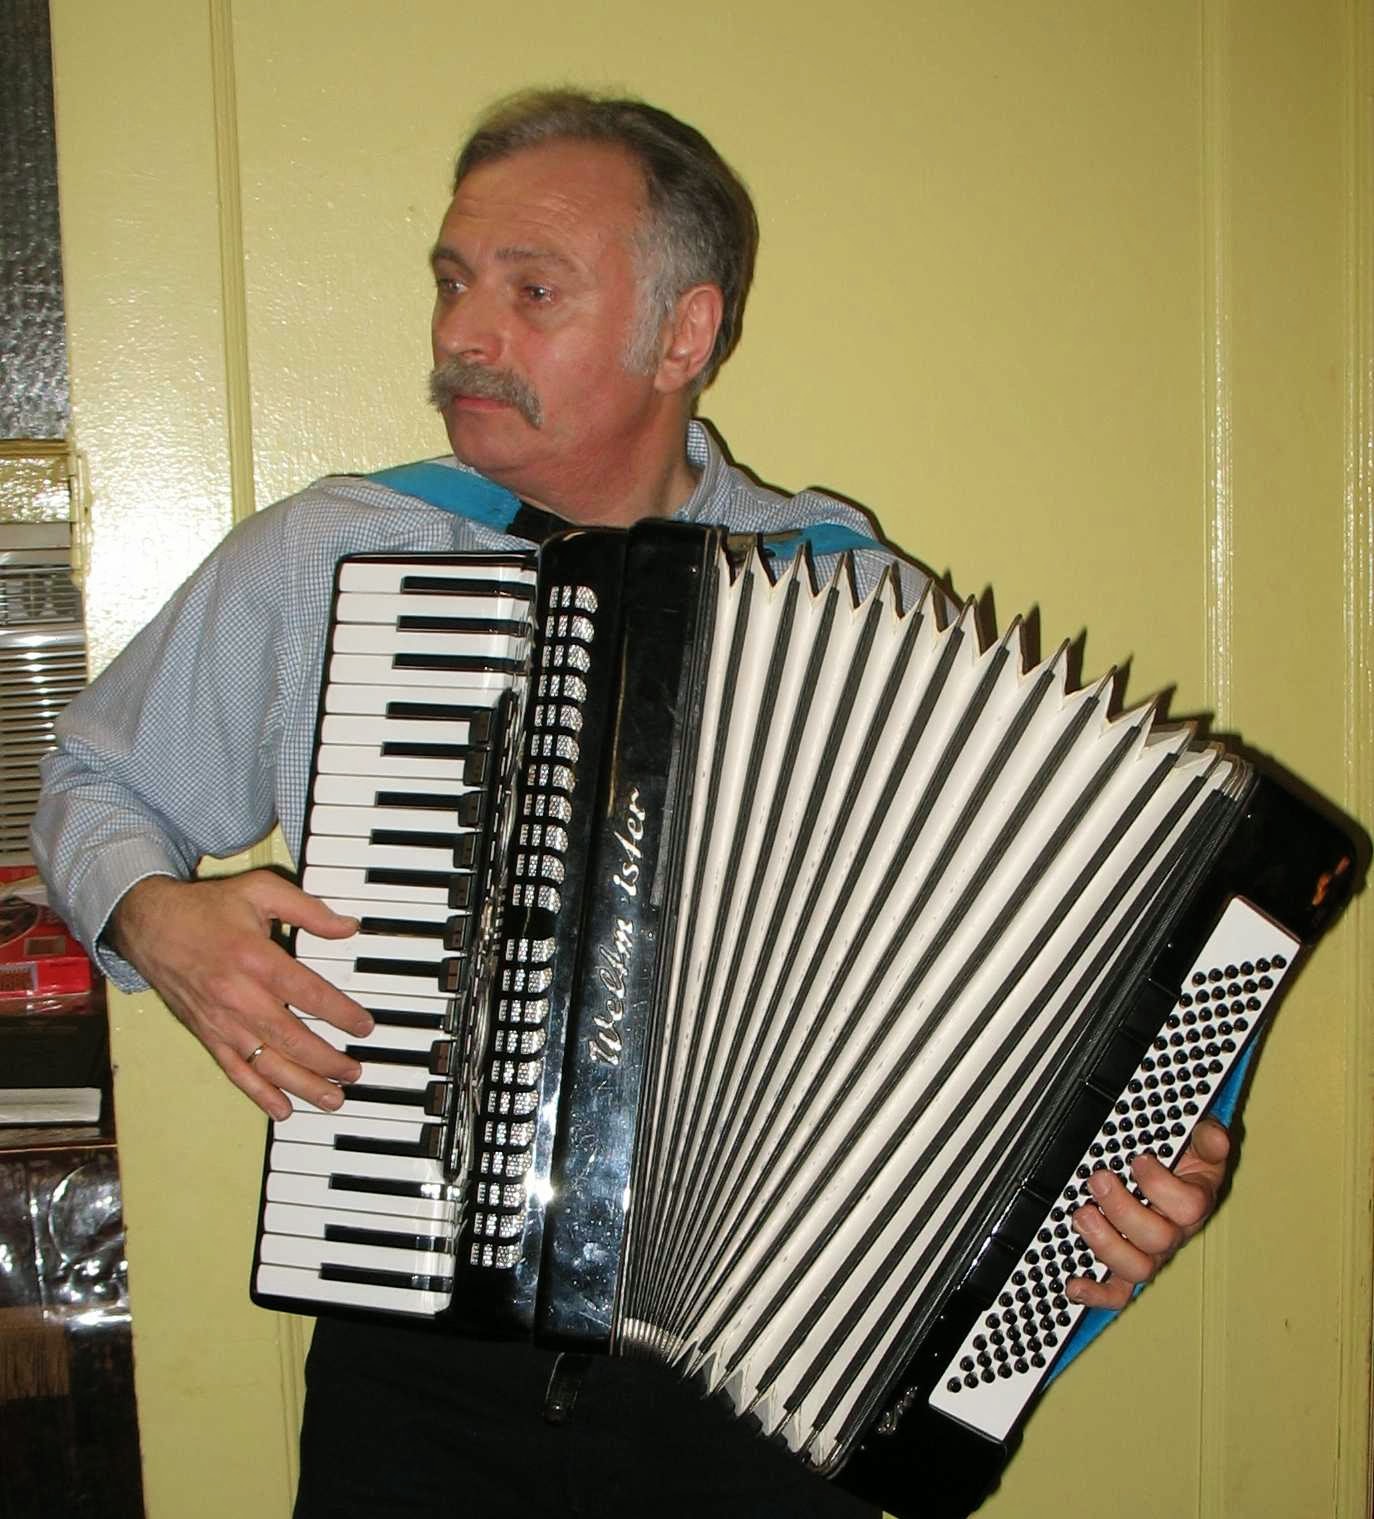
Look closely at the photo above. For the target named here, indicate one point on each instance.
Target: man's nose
(468, 327)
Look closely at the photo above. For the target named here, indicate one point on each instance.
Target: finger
(287, 1079)
(1153, 1230)
(310, 994)
(256, 1016)
(1114, 1293)
(252, 1083)
(285, 1035)
(1182, 1200)
(288, 904)
(1209, 1148)
(1122, 1257)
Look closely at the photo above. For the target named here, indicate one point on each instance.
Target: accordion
(760, 970)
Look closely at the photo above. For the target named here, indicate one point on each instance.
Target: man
(590, 278)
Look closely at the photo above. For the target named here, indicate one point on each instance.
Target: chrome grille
(42, 665)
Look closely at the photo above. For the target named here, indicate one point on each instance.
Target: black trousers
(402, 1423)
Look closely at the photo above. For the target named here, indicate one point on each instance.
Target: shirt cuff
(112, 871)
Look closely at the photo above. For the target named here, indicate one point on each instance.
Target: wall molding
(233, 294)
(1354, 1496)
(291, 1331)
(1218, 637)
(1218, 504)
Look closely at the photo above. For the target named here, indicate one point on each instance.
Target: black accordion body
(759, 974)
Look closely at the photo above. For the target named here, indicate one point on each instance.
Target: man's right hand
(206, 948)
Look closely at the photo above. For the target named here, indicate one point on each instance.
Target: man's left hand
(1133, 1241)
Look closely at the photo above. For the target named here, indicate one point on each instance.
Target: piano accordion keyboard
(359, 1211)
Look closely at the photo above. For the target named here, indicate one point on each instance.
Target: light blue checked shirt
(197, 738)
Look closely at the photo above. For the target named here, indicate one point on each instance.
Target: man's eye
(447, 285)
(539, 294)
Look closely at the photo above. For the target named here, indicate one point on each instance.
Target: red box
(38, 956)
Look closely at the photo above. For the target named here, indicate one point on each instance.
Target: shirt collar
(704, 455)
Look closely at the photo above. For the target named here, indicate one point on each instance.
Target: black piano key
(391, 875)
(460, 893)
(395, 1017)
(466, 805)
(345, 1234)
(475, 768)
(420, 928)
(497, 627)
(436, 585)
(401, 1097)
(368, 1278)
(438, 1096)
(387, 1186)
(426, 1147)
(375, 1056)
(478, 719)
(443, 1058)
(472, 664)
(418, 839)
(373, 965)
(400, 749)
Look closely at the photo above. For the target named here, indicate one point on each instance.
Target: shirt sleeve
(170, 754)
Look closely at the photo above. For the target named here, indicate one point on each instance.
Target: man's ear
(689, 337)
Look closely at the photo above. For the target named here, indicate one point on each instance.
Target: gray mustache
(458, 377)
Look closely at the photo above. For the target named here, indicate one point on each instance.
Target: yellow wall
(1074, 293)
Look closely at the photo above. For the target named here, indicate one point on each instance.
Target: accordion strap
(470, 495)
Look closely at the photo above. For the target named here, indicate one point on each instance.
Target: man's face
(536, 300)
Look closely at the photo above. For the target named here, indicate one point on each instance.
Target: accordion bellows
(912, 866)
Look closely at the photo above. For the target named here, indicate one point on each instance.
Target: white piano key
(321, 1160)
(295, 1218)
(368, 638)
(377, 699)
(387, 577)
(300, 1282)
(360, 822)
(388, 609)
(355, 728)
(357, 1108)
(350, 759)
(413, 1001)
(298, 1250)
(310, 1127)
(437, 913)
(310, 1223)
(397, 1077)
(331, 883)
(310, 947)
(361, 790)
(333, 849)
(361, 985)
(378, 670)
(314, 1191)
(384, 1036)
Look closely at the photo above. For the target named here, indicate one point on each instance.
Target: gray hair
(699, 228)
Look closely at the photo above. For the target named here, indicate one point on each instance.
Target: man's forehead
(541, 198)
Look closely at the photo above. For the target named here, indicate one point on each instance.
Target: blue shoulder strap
(469, 495)
(821, 537)
(455, 490)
